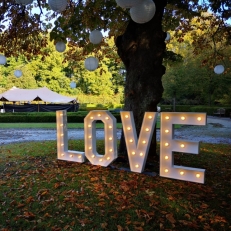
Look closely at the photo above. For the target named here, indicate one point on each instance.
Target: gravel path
(217, 130)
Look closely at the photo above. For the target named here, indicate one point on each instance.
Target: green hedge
(45, 117)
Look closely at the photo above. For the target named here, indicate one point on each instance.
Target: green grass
(39, 192)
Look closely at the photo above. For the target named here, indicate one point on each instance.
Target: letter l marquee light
(168, 145)
(62, 140)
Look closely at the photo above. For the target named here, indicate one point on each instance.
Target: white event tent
(41, 94)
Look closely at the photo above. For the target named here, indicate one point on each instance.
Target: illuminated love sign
(137, 148)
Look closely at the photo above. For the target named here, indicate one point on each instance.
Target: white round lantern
(96, 37)
(2, 60)
(219, 69)
(73, 84)
(143, 12)
(57, 5)
(91, 63)
(18, 73)
(168, 36)
(24, 2)
(128, 3)
(60, 46)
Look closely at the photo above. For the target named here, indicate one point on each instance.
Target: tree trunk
(141, 49)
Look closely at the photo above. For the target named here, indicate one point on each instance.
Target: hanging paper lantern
(168, 36)
(128, 3)
(18, 73)
(60, 46)
(143, 12)
(24, 2)
(91, 63)
(95, 37)
(57, 5)
(219, 69)
(2, 60)
(73, 84)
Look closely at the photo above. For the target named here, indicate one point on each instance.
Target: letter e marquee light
(62, 140)
(168, 145)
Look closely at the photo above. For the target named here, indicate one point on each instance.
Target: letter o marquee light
(110, 137)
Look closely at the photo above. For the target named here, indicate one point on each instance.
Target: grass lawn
(39, 192)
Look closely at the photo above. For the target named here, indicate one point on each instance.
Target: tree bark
(141, 49)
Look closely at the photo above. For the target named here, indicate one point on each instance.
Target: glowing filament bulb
(167, 117)
(110, 126)
(99, 115)
(126, 116)
(182, 118)
(147, 129)
(61, 135)
(166, 144)
(150, 117)
(100, 160)
(128, 128)
(106, 118)
(133, 153)
(62, 154)
(182, 145)
(61, 114)
(144, 142)
(198, 175)
(89, 137)
(108, 158)
(131, 140)
(62, 144)
(181, 173)
(166, 131)
(137, 166)
(166, 170)
(166, 157)
(199, 118)
(93, 156)
(110, 150)
(89, 125)
(91, 117)
(61, 125)
(110, 138)
(71, 155)
(79, 157)
(141, 154)
(89, 148)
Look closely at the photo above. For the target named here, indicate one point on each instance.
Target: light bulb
(150, 117)
(110, 126)
(182, 145)
(126, 116)
(71, 155)
(141, 154)
(198, 175)
(61, 114)
(89, 137)
(110, 138)
(147, 129)
(91, 117)
(61, 125)
(166, 170)
(106, 118)
(62, 144)
(100, 160)
(167, 117)
(137, 166)
(144, 142)
(182, 118)
(128, 128)
(133, 153)
(61, 135)
(199, 118)
(166, 144)
(99, 115)
(62, 154)
(108, 158)
(89, 148)
(166, 157)
(166, 131)
(79, 157)
(110, 150)
(89, 125)
(181, 173)
(93, 156)
(131, 140)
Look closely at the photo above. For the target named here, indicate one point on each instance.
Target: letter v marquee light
(168, 145)
(138, 151)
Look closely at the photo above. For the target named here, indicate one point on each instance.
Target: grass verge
(39, 192)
